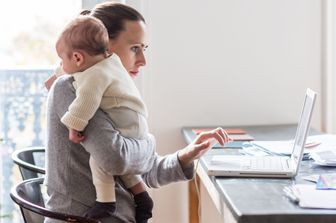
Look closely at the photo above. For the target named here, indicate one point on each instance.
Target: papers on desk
(276, 147)
(325, 153)
(235, 134)
(324, 157)
(285, 147)
(320, 195)
(322, 148)
(309, 197)
(328, 141)
(326, 182)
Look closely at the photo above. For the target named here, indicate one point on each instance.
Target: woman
(68, 175)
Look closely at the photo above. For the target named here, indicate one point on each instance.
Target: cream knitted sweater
(107, 85)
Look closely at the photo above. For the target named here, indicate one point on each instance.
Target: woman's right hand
(203, 142)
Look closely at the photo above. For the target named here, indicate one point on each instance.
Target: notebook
(266, 166)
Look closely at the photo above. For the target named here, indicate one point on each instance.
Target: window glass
(30, 28)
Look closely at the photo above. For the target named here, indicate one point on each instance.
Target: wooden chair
(28, 195)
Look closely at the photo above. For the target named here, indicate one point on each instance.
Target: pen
(312, 144)
(291, 195)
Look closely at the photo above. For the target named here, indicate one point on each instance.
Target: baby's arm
(57, 73)
(50, 81)
(89, 93)
(114, 153)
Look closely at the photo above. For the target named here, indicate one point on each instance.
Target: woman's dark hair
(113, 15)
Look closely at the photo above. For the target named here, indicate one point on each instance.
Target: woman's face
(130, 46)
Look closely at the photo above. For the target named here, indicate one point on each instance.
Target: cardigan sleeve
(89, 93)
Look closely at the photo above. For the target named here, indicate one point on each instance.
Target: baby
(101, 81)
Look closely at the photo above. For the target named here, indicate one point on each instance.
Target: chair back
(31, 161)
(29, 196)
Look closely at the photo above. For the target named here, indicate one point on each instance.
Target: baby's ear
(78, 58)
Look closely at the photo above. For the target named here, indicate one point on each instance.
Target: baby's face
(68, 63)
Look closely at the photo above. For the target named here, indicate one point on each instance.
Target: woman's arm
(113, 152)
(180, 165)
(167, 169)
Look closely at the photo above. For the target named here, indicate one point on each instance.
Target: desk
(256, 200)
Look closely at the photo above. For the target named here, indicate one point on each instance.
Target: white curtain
(329, 66)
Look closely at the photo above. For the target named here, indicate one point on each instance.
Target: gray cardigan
(67, 165)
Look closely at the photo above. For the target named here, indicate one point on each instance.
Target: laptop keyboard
(270, 163)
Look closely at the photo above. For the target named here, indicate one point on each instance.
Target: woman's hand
(203, 142)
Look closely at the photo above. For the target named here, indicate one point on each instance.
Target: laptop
(266, 166)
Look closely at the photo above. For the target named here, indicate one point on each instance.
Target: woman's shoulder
(62, 85)
(64, 81)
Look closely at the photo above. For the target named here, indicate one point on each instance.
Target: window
(27, 57)
(30, 28)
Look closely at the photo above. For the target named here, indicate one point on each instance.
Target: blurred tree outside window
(29, 30)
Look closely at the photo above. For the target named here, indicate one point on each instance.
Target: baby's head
(82, 42)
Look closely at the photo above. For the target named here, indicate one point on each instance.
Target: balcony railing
(22, 122)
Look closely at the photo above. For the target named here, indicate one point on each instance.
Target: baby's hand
(50, 82)
(75, 136)
(57, 73)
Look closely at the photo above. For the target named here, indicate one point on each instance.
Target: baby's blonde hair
(85, 33)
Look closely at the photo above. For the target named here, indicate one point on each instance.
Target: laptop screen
(303, 127)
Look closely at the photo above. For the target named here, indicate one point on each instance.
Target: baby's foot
(144, 207)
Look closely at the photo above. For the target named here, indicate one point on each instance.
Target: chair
(30, 161)
(29, 196)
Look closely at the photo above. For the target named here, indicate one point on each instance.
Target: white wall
(226, 62)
